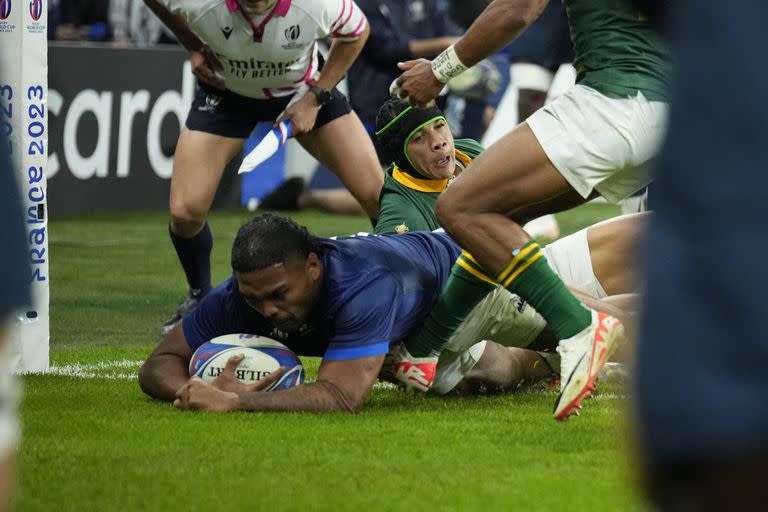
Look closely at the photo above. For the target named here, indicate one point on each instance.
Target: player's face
(286, 293)
(256, 7)
(432, 151)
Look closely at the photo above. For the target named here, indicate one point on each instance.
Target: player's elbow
(151, 380)
(355, 405)
(341, 401)
(515, 15)
(147, 378)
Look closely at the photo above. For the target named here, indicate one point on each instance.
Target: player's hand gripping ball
(262, 356)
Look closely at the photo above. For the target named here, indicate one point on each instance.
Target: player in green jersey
(594, 140)
(597, 260)
(424, 167)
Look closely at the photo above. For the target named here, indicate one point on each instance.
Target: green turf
(95, 442)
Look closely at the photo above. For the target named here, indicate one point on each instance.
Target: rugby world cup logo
(5, 9)
(292, 33)
(35, 9)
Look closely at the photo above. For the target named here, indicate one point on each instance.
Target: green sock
(528, 275)
(466, 287)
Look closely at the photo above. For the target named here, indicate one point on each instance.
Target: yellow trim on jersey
(515, 261)
(466, 259)
(463, 158)
(471, 258)
(522, 267)
(469, 268)
(422, 185)
(417, 184)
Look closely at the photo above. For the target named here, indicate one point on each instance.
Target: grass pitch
(93, 441)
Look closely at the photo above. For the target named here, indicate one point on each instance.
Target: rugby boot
(582, 356)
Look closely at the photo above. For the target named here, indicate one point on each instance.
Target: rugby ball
(262, 356)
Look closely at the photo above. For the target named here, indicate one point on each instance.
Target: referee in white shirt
(257, 60)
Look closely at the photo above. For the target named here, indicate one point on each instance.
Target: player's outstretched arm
(341, 386)
(167, 367)
(501, 22)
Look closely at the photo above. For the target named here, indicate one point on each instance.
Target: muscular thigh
(198, 165)
(345, 148)
(513, 177)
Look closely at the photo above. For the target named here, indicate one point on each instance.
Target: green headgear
(396, 123)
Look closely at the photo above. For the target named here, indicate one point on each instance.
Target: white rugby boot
(582, 356)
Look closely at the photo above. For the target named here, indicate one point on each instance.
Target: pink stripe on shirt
(358, 30)
(352, 10)
(343, 8)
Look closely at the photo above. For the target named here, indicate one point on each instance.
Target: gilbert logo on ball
(5, 9)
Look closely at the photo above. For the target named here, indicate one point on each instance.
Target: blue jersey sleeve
(363, 326)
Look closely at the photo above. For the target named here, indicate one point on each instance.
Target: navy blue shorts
(547, 42)
(229, 114)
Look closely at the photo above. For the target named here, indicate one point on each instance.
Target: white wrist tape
(447, 65)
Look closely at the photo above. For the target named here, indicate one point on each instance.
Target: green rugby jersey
(408, 204)
(617, 52)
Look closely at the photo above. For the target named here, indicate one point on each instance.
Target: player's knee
(186, 218)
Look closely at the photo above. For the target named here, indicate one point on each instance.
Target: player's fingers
(405, 66)
(232, 363)
(269, 379)
(394, 89)
(418, 104)
(182, 397)
(180, 392)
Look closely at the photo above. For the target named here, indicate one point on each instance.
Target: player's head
(417, 140)
(278, 270)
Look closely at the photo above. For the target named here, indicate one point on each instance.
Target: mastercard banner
(24, 120)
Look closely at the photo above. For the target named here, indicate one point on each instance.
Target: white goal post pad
(24, 116)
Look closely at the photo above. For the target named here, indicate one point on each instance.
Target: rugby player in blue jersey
(344, 299)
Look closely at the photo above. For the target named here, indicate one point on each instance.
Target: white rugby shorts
(601, 143)
(570, 259)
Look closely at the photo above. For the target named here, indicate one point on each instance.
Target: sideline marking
(101, 370)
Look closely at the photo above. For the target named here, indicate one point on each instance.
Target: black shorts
(228, 114)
